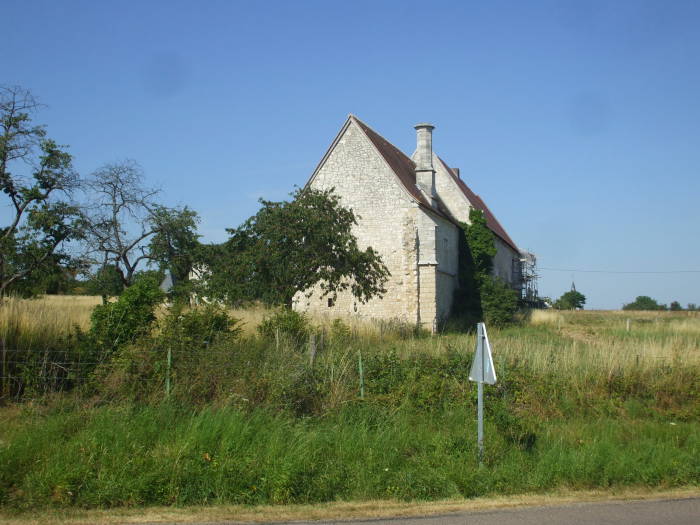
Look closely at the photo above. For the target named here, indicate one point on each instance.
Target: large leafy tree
(126, 229)
(303, 244)
(36, 178)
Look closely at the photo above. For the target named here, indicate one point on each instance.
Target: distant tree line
(644, 302)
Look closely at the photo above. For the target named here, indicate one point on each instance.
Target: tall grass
(38, 323)
(167, 456)
(361, 411)
(585, 350)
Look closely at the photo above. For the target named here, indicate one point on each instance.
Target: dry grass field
(36, 321)
(547, 338)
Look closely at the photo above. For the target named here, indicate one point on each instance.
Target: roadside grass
(368, 411)
(164, 455)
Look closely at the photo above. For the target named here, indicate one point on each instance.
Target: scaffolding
(525, 269)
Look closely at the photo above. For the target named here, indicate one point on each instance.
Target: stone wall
(459, 206)
(446, 274)
(386, 222)
(503, 261)
(450, 194)
(437, 262)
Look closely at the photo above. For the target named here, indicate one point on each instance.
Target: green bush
(499, 301)
(116, 324)
(197, 327)
(287, 323)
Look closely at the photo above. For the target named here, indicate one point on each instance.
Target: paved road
(659, 512)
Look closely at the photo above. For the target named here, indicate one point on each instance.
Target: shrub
(113, 325)
(498, 300)
(287, 323)
(197, 327)
(195, 364)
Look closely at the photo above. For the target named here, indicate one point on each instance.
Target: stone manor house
(408, 209)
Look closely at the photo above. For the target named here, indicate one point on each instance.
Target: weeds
(256, 418)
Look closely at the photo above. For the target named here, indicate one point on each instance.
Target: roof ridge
(491, 221)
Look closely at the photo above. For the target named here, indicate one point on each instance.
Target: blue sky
(577, 122)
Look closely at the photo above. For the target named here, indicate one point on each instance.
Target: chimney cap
(424, 125)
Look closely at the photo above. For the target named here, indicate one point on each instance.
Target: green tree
(126, 228)
(293, 246)
(675, 306)
(58, 275)
(644, 302)
(37, 178)
(175, 244)
(571, 300)
(106, 282)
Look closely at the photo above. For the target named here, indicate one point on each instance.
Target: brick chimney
(425, 173)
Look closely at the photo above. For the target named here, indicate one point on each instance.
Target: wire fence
(30, 373)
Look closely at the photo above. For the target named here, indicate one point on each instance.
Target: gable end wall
(386, 218)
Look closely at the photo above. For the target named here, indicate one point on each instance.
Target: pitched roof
(405, 169)
(479, 204)
(401, 165)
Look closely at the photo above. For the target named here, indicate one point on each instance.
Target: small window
(330, 302)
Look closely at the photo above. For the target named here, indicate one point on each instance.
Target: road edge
(337, 511)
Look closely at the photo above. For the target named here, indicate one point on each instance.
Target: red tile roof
(402, 166)
(479, 204)
(405, 170)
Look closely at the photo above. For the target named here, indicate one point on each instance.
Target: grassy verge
(126, 456)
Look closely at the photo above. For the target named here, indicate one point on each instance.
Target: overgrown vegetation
(480, 296)
(258, 417)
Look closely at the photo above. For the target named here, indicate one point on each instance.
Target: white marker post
(482, 372)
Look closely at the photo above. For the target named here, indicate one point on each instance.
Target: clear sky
(577, 122)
